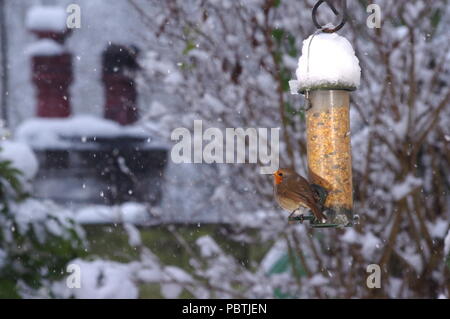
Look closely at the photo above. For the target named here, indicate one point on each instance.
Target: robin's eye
(280, 174)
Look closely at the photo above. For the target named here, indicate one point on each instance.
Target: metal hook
(335, 11)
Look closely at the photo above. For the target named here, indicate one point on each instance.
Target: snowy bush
(37, 239)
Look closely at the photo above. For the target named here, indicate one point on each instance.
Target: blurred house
(86, 158)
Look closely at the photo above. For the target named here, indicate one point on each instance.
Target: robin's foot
(299, 218)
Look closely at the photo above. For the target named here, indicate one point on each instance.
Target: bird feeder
(329, 152)
(328, 71)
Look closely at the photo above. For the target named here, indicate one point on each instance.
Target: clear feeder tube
(329, 152)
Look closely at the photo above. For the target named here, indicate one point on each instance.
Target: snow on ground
(102, 279)
(46, 18)
(128, 213)
(327, 59)
(21, 156)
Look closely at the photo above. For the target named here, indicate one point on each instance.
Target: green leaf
(278, 35)
(190, 45)
(278, 57)
(285, 76)
(291, 47)
(436, 18)
(8, 289)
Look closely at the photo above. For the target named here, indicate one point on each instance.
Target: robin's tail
(320, 195)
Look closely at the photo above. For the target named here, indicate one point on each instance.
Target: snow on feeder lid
(328, 61)
(46, 19)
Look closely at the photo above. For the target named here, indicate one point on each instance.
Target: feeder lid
(296, 88)
(328, 62)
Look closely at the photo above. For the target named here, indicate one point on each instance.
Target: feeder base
(314, 223)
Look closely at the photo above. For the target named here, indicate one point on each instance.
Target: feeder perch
(328, 71)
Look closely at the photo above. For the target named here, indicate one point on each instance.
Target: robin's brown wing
(298, 189)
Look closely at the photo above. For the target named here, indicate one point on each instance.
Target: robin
(293, 192)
